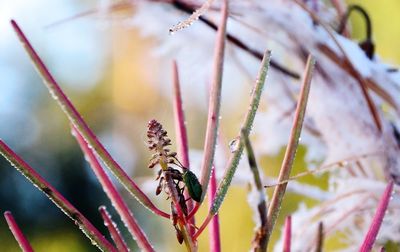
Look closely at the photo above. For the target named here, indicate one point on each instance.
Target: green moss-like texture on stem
(246, 128)
(236, 155)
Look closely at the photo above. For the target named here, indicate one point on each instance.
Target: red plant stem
(203, 226)
(113, 230)
(16, 231)
(214, 101)
(215, 239)
(288, 234)
(113, 194)
(77, 120)
(84, 224)
(181, 135)
(373, 230)
(194, 211)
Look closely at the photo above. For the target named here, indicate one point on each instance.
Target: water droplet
(234, 145)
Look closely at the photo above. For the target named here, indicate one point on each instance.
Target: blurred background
(111, 75)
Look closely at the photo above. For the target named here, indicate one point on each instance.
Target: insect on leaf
(193, 185)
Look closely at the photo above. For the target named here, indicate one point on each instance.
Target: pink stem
(215, 239)
(214, 106)
(181, 133)
(84, 224)
(113, 230)
(373, 230)
(288, 234)
(113, 194)
(16, 231)
(77, 120)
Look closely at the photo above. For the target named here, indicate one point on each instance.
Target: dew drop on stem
(234, 145)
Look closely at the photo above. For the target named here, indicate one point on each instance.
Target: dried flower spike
(158, 140)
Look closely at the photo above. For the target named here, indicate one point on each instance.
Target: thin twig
(84, 224)
(113, 7)
(185, 6)
(373, 230)
(181, 136)
(320, 238)
(260, 237)
(214, 231)
(214, 102)
(113, 230)
(287, 239)
(17, 233)
(291, 148)
(323, 168)
(113, 194)
(237, 153)
(77, 120)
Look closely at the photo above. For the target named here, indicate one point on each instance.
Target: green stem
(236, 155)
(259, 243)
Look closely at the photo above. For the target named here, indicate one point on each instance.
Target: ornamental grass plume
(332, 91)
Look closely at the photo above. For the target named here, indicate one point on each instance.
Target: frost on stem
(195, 16)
